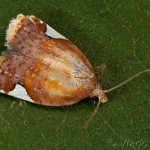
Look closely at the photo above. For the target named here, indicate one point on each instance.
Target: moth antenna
(92, 115)
(126, 81)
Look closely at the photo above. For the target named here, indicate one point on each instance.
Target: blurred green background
(114, 32)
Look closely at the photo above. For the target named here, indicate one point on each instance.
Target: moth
(43, 67)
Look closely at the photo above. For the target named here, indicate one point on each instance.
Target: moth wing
(19, 91)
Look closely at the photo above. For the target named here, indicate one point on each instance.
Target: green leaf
(114, 32)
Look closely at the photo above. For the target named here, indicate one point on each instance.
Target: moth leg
(100, 70)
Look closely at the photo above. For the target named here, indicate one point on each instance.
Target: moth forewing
(19, 91)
